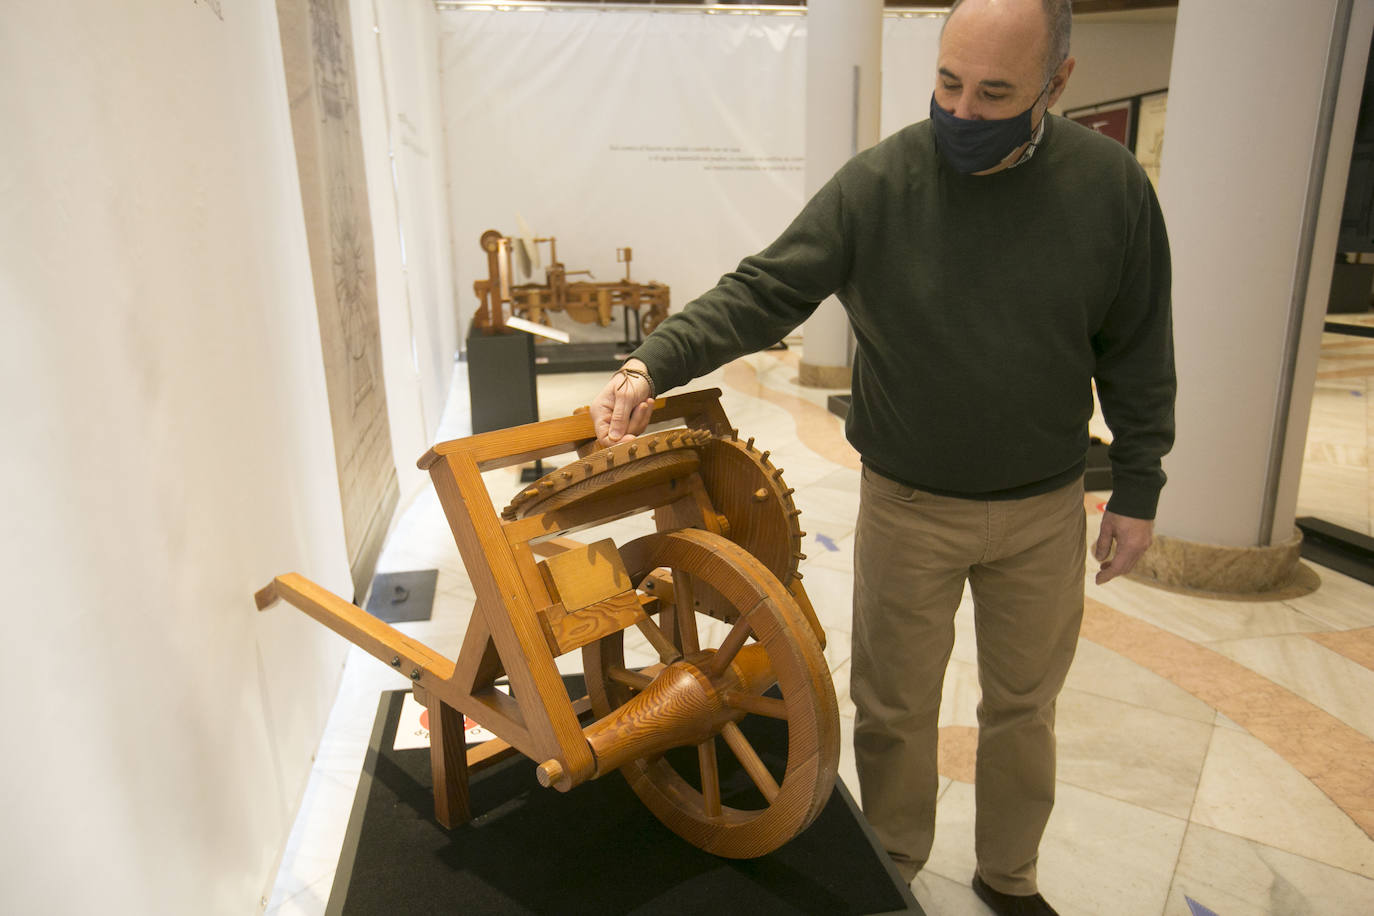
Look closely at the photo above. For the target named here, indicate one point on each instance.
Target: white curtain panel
(680, 135)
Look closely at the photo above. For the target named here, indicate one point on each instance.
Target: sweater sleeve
(1135, 365)
(758, 303)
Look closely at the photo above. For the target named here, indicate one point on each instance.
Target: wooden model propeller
(726, 547)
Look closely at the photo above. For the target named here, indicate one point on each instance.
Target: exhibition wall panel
(167, 450)
(680, 134)
(395, 44)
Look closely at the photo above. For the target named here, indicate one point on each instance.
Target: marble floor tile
(1224, 722)
(1201, 620)
(1248, 790)
(1356, 645)
(960, 695)
(838, 651)
(1099, 855)
(1099, 671)
(1326, 679)
(1130, 753)
(311, 900)
(1239, 877)
(940, 896)
(847, 773)
(831, 594)
(1342, 603)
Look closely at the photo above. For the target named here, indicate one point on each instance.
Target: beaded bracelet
(639, 373)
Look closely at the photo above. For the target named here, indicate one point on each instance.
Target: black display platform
(594, 850)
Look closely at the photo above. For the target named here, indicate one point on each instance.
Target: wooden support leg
(448, 762)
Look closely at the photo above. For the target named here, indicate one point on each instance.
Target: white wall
(536, 102)
(396, 52)
(548, 114)
(166, 450)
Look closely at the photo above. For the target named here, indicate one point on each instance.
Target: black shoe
(1011, 904)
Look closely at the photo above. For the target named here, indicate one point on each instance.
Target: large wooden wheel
(769, 645)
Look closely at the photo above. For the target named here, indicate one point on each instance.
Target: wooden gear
(725, 547)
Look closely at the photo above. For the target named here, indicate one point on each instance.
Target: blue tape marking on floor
(826, 542)
(1198, 909)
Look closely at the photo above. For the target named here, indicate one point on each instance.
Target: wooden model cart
(583, 301)
(726, 547)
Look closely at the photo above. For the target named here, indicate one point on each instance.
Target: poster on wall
(318, 55)
(1137, 123)
(1112, 119)
(1149, 136)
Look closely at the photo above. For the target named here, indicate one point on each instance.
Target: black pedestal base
(502, 391)
(594, 850)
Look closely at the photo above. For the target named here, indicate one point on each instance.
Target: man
(993, 262)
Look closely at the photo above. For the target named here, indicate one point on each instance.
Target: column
(844, 52)
(1262, 104)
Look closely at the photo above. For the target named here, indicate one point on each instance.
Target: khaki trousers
(1024, 560)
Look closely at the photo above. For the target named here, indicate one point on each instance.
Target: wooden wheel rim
(801, 672)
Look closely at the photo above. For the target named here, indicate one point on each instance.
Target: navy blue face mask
(974, 145)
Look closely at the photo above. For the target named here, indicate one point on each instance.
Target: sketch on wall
(1136, 122)
(320, 83)
(1149, 142)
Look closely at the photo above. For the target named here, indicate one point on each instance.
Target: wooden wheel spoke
(729, 648)
(710, 776)
(749, 759)
(686, 616)
(759, 706)
(667, 652)
(632, 679)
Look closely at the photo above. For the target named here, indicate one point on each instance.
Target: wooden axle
(687, 704)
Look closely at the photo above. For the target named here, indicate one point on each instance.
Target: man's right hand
(622, 410)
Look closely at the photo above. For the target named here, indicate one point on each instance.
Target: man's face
(991, 61)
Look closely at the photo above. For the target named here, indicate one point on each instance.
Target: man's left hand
(1130, 536)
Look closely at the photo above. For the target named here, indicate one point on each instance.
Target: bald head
(1052, 19)
(992, 65)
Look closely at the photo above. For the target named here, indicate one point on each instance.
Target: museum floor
(1163, 802)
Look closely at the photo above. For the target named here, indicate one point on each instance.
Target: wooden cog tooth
(795, 513)
(777, 473)
(764, 456)
(796, 575)
(632, 450)
(750, 444)
(789, 491)
(800, 533)
(799, 555)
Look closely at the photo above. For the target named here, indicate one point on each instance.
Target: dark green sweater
(982, 308)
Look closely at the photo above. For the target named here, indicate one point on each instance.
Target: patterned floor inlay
(1335, 757)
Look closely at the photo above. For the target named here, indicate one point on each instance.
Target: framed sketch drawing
(1149, 142)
